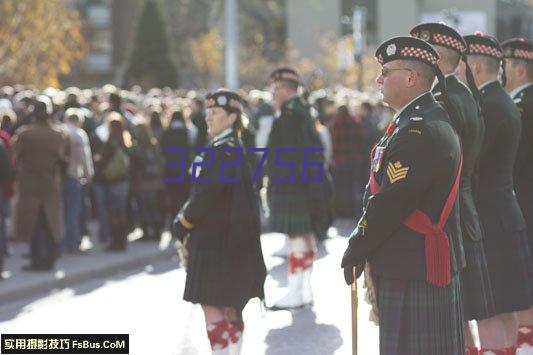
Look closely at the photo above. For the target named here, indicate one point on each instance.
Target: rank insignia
(362, 226)
(396, 172)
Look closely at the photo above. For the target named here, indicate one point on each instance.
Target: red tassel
(438, 258)
(438, 264)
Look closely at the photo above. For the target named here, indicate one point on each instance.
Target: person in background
(505, 240)
(79, 173)
(177, 143)
(220, 226)
(518, 53)
(198, 119)
(41, 153)
(147, 180)
(347, 141)
(8, 119)
(290, 196)
(6, 170)
(111, 178)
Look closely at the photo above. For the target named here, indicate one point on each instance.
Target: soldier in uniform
(477, 298)
(408, 234)
(290, 195)
(518, 53)
(505, 239)
(225, 267)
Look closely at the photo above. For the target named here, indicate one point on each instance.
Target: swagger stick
(354, 313)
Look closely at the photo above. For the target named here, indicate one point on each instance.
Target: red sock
(236, 329)
(525, 336)
(511, 350)
(471, 350)
(301, 261)
(494, 351)
(218, 334)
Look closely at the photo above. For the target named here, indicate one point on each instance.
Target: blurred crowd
(110, 155)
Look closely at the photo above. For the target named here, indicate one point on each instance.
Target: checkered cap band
(214, 101)
(439, 38)
(419, 53)
(523, 54)
(284, 75)
(476, 48)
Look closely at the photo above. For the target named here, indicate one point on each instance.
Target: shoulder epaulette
(229, 141)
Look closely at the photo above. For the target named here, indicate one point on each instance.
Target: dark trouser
(43, 249)
(4, 212)
(347, 197)
(149, 214)
(119, 230)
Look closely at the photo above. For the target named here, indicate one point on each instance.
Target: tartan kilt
(510, 270)
(416, 318)
(478, 301)
(290, 209)
(220, 279)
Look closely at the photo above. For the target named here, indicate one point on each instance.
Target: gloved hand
(179, 230)
(351, 259)
(348, 272)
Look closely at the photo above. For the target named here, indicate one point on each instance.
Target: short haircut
(74, 115)
(367, 106)
(425, 71)
(293, 85)
(449, 57)
(528, 65)
(490, 65)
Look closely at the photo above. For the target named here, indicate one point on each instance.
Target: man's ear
(476, 67)
(232, 117)
(412, 79)
(521, 70)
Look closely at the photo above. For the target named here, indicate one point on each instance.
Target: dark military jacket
(220, 214)
(418, 166)
(295, 129)
(497, 205)
(523, 167)
(468, 123)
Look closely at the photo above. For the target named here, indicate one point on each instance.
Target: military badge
(396, 172)
(222, 100)
(508, 52)
(391, 49)
(376, 159)
(197, 159)
(416, 118)
(425, 35)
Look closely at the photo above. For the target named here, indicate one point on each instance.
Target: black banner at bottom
(65, 344)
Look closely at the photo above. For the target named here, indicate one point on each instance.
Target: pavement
(75, 268)
(146, 303)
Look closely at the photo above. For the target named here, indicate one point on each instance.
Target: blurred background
(181, 43)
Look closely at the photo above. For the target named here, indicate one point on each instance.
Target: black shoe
(32, 267)
(115, 249)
